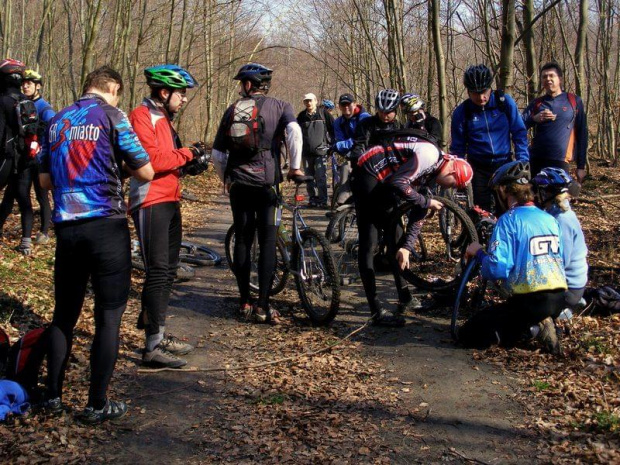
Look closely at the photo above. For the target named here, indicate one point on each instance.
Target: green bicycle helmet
(169, 76)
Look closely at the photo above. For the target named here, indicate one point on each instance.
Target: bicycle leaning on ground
(305, 254)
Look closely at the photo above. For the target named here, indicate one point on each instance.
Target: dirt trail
(440, 404)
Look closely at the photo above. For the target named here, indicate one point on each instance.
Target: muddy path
(406, 395)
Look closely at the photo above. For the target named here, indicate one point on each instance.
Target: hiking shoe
(41, 238)
(386, 318)
(25, 247)
(413, 304)
(548, 336)
(260, 315)
(110, 411)
(175, 346)
(161, 358)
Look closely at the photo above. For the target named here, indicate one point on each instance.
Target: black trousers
(374, 202)
(483, 194)
(254, 210)
(19, 188)
(160, 232)
(99, 250)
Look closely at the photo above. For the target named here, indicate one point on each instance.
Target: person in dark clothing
(560, 126)
(15, 156)
(317, 128)
(417, 117)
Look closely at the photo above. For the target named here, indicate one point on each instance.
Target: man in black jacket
(317, 127)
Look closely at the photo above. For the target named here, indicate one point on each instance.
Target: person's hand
(294, 173)
(403, 258)
(581, 175)
(198, 149)
(435, 205)
(544, 116)
(472, 249)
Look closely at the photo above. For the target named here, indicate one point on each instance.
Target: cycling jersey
(87, 143)
(161, 142)
(483, 134)
(403, 165)
(525, 252)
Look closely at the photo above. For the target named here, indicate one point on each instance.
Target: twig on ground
(257, 365)
(453, 451)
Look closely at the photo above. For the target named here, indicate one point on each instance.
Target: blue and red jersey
(86, 146)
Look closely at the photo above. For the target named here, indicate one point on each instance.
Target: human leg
(42, 196)
(244, 219)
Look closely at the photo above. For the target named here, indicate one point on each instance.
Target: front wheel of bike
(318, 283)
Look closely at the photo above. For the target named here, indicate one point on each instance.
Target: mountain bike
(305, 254)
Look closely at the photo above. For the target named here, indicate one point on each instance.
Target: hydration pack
(246, 126)
(25, 358)
(26, 139)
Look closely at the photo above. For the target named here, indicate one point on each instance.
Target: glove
(198, 149)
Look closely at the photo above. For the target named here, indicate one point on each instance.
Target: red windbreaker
(161, 142)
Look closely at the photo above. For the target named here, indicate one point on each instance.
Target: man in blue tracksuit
(525, 254)
(344, 136)
(483, 128)
(560, 126)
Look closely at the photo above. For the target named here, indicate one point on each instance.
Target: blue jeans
(315, 166)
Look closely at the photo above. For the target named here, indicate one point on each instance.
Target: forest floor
(406, 395)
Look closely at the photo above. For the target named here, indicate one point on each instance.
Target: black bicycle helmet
(514, 171)
(12, 71)
(387, 100)
(478, 78)
(254, 72)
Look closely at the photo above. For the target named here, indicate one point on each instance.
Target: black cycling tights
(254, 211)
(18, 188)
(374, 202)
(97, 249)
(160, 232)
(510, 320)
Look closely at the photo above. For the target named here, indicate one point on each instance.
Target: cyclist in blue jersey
(485, 127)
(525, 256)
(552, 186)
(87, 146)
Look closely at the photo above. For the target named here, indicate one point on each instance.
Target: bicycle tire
(282, 269)
(343, 227)
(441, 264)
(199, 255)
(315, 275)
(459, 298)
(464, 198)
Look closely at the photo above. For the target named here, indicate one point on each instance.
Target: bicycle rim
(316, 278)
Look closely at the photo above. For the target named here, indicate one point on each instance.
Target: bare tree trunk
(441, 68)
(530, 52)
(580, 47)
(91, 33)
(506, 60)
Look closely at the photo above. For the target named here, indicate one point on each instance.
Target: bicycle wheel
(282, 270)
(461, 297)
(343, 234)
(464, 198)
(437, 262)
(316, 277)
(199, 255)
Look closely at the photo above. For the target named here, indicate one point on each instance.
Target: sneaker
(548, 336)
(260, 315)
(25, 248)
(52, 406)
(41, 238)
(386, 318)
(175, 346)
(110, 411)
(413, 304)
(161, 358)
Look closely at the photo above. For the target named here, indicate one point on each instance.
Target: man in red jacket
(155, 207)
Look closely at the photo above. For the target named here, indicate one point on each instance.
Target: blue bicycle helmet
(328, 104)
(514, 171)
(551, 182)
(169, 76)
(387, 100)
(254, 72)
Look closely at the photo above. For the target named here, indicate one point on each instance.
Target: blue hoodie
(483, 134)
(344, 130)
